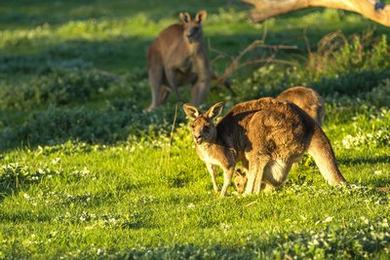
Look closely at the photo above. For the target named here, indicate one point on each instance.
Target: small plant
(14, 176)
(380, 95)
(369, 130)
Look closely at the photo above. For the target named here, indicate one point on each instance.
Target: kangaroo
(307, 99)
(179, 56)
(240, 180)
(266, 135)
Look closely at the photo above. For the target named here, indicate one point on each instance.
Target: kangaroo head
(240, 180)
(193, 28)
(202, 125)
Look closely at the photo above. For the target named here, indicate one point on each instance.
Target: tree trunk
(265, 9)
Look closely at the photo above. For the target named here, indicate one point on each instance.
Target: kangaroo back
(322, 152)
(307, 99)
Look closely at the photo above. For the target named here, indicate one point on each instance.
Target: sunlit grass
(85, 173)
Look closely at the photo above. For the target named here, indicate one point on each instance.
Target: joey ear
(185, 17)
(191, 111)
(215, 110)
(201, 16)
(239, 173)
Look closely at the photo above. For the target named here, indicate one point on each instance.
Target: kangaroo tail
(322, 152)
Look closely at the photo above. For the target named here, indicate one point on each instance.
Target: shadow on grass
(379, 181)
(15, 14)
(116, 123)
(364, 160)
(353, 241)
(21, 217)
(118, 54)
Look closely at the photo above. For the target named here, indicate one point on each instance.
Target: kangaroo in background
(307, 99)
(267, 136)
(179, 56)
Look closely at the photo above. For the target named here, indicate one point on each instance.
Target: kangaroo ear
(201, 16)
(191, 111)
(215, 110)
(185, 17)
(238, 172)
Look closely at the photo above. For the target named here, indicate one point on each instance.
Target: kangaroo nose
(198, 138)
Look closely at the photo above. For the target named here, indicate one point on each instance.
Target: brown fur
(178, 56)
(267, 136)
(307, 99)
(240, 180)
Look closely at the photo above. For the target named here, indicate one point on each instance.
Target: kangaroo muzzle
(198, 139)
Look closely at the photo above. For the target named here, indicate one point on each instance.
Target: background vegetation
(84, 172)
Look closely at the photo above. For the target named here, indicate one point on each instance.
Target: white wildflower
(328, 219)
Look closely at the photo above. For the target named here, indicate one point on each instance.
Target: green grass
(84, 173)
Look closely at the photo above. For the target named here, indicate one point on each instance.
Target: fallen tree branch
(267, 60)
(370, 9)
(237, 64)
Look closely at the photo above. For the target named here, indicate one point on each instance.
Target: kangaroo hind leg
(172, 81)
(255, 176)
(155, 82)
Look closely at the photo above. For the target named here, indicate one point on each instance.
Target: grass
(84, 173)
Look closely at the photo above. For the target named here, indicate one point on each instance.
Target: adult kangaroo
(178, 56)
(306, 99)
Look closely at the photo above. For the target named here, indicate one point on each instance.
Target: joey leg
(227, 179)
(213, 172)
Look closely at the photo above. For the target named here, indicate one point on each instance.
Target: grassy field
(86, 174)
